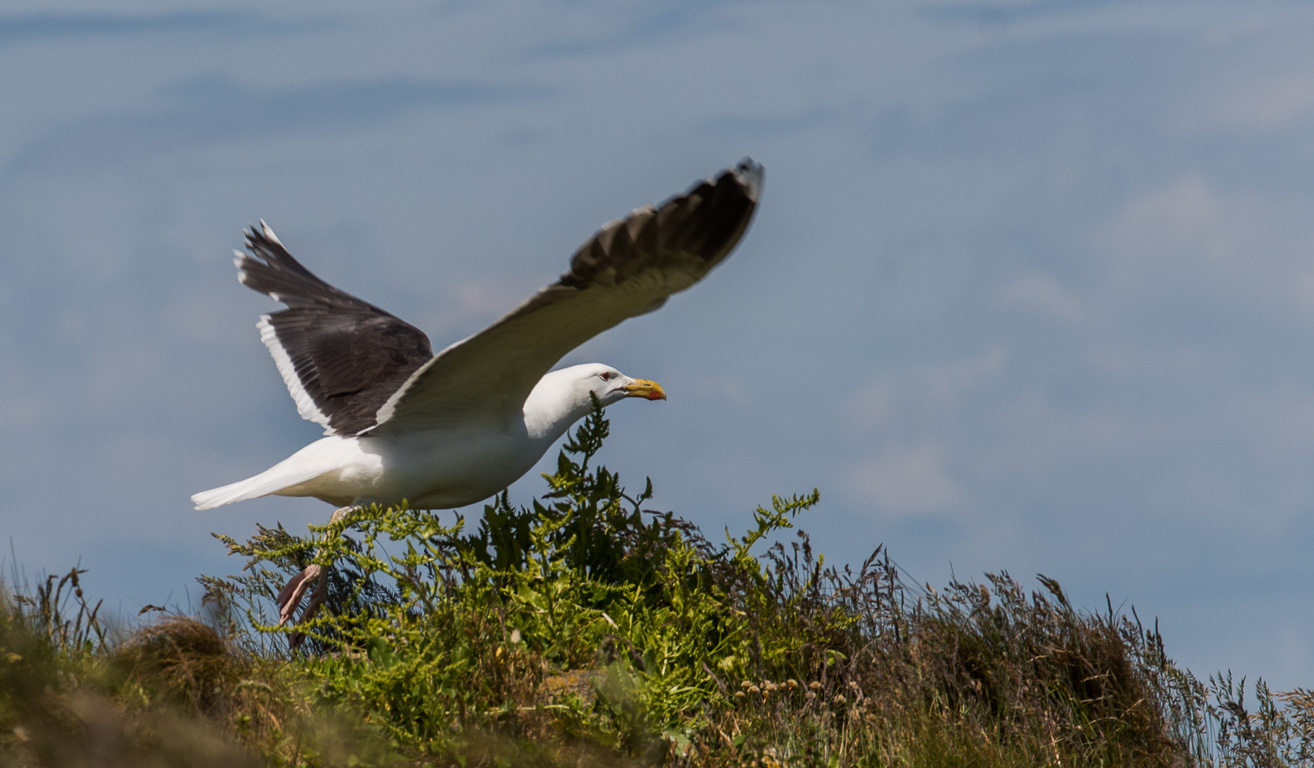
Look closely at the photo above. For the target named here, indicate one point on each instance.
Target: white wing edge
(305, 404)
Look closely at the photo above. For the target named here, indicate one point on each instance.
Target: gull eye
(605, 375)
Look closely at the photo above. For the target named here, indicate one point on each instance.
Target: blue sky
(1031, 287)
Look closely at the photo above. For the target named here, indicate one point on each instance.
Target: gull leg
(295, 589)
(295, 639)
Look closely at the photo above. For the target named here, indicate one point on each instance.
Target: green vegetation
(585, 631)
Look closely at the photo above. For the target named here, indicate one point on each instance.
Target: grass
(584, 630)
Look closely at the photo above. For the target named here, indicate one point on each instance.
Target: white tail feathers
(320, 457)
(250, 488)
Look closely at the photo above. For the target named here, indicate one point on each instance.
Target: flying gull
(402, 424)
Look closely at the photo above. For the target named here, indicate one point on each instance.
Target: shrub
(585, 622)
(586, 630)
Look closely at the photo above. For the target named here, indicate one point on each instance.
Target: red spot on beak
(648, 390)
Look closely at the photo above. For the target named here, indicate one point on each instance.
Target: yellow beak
(644, 388)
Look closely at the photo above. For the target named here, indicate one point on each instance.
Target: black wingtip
(723, 207)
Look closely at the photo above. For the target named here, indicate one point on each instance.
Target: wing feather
(628, 268)
(341, 357)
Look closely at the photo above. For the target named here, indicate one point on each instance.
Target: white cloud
(1041, 294)
(1196, 239)
(871, 405)
(923, 387)
(1034, 436)
(1267, 104)
(906, 480)
(1184, 214)
(949, 381)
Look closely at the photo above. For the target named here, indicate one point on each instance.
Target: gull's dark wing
(628, 268)
(341, 358)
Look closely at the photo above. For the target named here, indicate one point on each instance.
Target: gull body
(439, 468)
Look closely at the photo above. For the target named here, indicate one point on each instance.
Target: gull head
(562, 396)
(610, 385)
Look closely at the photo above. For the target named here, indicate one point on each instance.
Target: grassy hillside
(584, 630)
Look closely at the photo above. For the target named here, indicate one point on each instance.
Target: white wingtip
(750, 174)
(269, 233)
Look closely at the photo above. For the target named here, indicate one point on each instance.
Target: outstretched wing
(628, 268)
(340, 357)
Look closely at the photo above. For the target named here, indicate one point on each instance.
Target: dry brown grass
(977, 675)
(58, 707)
(173, 693)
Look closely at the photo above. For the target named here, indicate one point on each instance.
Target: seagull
(403, 425)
